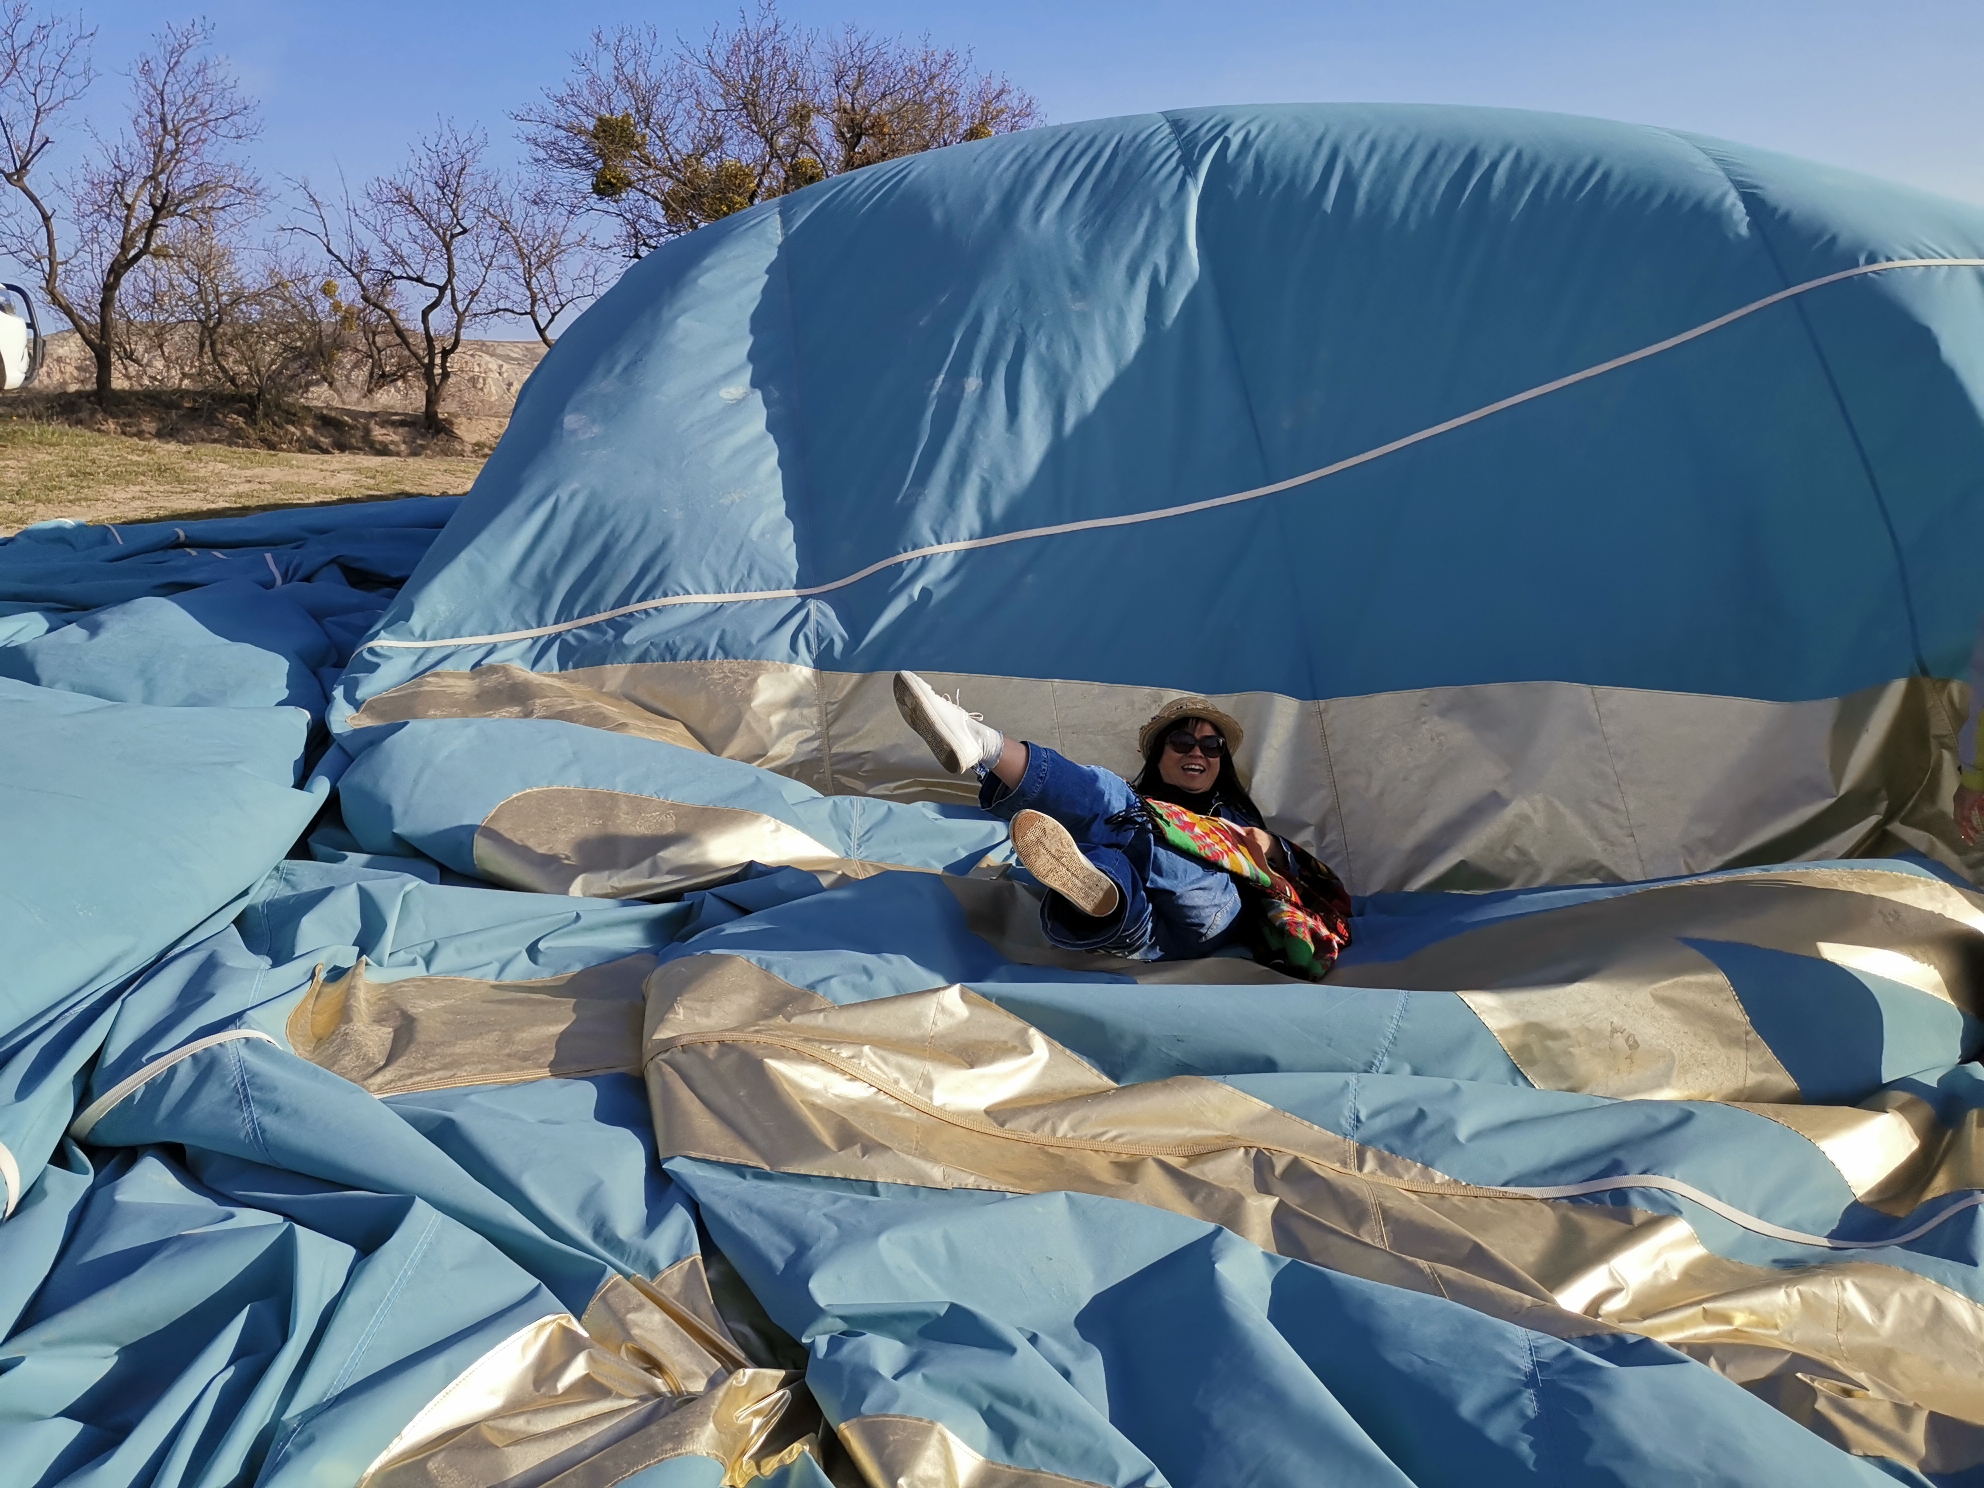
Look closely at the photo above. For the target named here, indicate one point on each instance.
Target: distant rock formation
(487, 378)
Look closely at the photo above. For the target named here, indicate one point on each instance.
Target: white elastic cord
(270, 559)
(1737, 1216)
(97, 1109)
(10, 1174)
(1061, 529)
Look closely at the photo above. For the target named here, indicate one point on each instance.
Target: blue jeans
(1173, 907)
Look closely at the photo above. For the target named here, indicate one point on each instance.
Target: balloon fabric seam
(1189, 508)
(97, 1109)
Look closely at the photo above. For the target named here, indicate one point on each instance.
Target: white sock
(993, 745)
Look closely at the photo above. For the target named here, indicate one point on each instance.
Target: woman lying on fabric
(1175, 865)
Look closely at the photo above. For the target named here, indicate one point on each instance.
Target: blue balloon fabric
(498, 996)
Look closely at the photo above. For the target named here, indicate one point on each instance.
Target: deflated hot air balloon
(1551, 500)
(674, 1052)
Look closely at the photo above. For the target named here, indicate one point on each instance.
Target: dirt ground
(52, 469)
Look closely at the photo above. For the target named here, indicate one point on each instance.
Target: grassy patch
(57, 470)
(199, 416)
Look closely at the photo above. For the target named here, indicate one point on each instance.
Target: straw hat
(1190, 707)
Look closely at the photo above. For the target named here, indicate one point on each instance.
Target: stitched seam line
(1845, 414)
(251, 1120)
(1336, 795)
(499, 1077)
(1391, 1036)
(820, 702)
(83, 1125)
(386, 1302)
(1535, 1383)
(1131, 519)
(1284, 548)
(1618, 781)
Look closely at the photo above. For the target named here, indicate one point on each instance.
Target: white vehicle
(20, 338)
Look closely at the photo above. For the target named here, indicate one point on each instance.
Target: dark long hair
(1226, 787)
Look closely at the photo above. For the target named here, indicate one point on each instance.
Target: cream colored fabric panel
(767, 713)
(668, 1326)
(607, 844)
(1946, 1161)
(1874, 1150)
(1602, 998)
(1605, 997)
(944, 1089)
(431, 1033)
(700, 994)
(1840, 1409)
(1712, 782)
(505, 691)
(1667, 1027)
(776, 716)
(649, 1373)
(1478, 788)
(1530, 783)
(1878, 1328)
(549, 1406)
(1491, 786)
(1892, 1150)
(910, 1452)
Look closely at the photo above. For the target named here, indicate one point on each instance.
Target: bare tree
(885, 99)
(422, 248)
(173, 165)
(208, 313)
(663, 137)
(550, 263)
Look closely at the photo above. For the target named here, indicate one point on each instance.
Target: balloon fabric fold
(497, 994)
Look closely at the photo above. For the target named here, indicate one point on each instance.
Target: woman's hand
(1969, 811)
(1267, 849)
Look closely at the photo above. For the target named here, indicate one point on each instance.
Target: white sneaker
(1050, 855)
(960, 742)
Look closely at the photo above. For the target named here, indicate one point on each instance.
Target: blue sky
(1891, 89)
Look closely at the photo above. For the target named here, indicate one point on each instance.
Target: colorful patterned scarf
(1303, 933)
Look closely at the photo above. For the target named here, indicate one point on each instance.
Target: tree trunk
(103, 373)
(430, 413)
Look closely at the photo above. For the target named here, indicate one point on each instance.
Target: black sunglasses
(1183, 741)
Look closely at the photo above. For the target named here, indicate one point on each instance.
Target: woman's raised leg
(1056, 859)
(1010, 766)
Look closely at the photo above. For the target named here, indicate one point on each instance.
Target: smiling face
(1193, 772)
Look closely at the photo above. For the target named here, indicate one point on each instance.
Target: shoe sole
(1050, 855)
(910, 703)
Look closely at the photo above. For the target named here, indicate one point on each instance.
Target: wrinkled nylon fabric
(452, 1038)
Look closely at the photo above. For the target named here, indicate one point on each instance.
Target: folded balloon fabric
(452, 1038)
(332, 1159)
